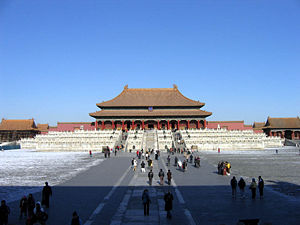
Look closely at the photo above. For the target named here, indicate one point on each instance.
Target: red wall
(72, 126)
(230, 125)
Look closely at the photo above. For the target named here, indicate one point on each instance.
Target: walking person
(150, 176)
(161, 175)
(39, 215)
(46, 193)
(30, 205)
(143, 167)
(233, 183)
(242, 185)
(252, 187)
(184, 165)
(4, 212)
(175, 161)
(169, 176)
(75, 219)
(134, 165)
(191, 158)
(168, 204)
(169, 159)
(146, 201)
(261, 185)
(23, 206)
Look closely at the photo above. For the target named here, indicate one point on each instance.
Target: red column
(198, 121)
(188, 124)
(204, 123)
(132, 125)
(123, 125)
(158, 125)
(293, 135)
(270, 134)
(283, 134)
(96, 124)
(113, 124)
(103, 126)
(178, 124)
(168, 124)
(143, 125)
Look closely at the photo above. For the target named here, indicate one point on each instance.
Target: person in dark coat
(252, 187)
(242, 185)
(169, 176)
(30, 205)
(233, 184)
(4, 212)
(169, 159)
(175, 161)
(75, 219)
(161, 175)
(46, 193)
(146, 202)
(168, 204)
(150, 176)
(191, 158)
(23, 206)
(261, 185)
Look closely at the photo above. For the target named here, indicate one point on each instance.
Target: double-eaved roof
(149, 102)
(146, 97)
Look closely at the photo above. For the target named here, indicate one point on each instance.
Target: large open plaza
(149, 112)
(109, 192)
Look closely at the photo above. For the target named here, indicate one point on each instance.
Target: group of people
(224, 168)
(253, 186)
(32, 210)
(29, 208)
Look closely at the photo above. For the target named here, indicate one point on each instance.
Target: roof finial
(126, 86)
(175, 86)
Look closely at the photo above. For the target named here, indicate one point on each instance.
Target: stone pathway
(131, 209)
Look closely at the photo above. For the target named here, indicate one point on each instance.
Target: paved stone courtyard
(110, 193)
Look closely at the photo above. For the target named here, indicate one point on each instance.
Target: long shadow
(207, 204)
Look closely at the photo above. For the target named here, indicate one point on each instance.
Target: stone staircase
(150, 140)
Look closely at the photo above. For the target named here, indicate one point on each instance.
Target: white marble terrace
(211, 139)
(207, 139)
(72, 141)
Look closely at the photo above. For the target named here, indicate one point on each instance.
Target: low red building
(43, 128)
(14, 130)
(229, 125)
(283, 127)
(72, 126)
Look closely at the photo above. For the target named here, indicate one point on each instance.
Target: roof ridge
(150, 89)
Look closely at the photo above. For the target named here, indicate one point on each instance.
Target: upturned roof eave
(110, 103)
(98, 115)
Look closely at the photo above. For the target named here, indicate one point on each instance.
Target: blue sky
(59, 58)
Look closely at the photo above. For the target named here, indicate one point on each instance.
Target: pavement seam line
(101, 204)
(180, 198)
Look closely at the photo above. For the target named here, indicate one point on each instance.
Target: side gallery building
(150, 108)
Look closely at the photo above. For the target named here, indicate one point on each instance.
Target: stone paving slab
(208, 197)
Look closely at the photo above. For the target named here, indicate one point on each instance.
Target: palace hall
(150, 108)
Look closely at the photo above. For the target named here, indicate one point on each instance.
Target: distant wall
(229, 125)
(70, 126)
